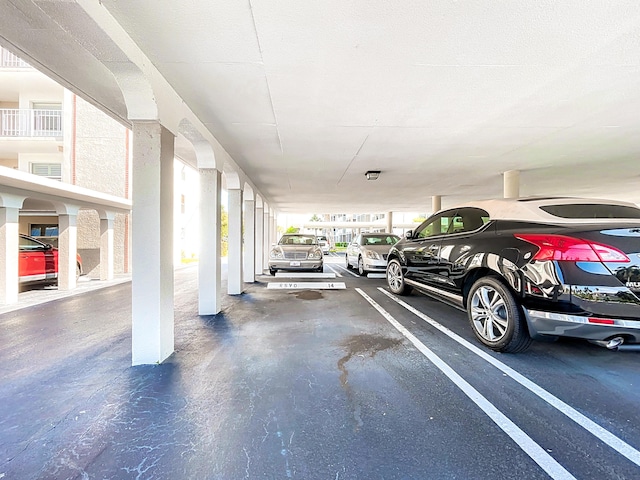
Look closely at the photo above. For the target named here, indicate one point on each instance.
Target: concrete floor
(283, 384)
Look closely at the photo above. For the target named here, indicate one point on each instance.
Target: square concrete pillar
(67, 250)
(209, 264)
(152, 237)
(267, 239)
(106, 248)
(259, 241)
(9, 250)
(249, 241)
(234, 276)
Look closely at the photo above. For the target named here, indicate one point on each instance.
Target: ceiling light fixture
(372, 174)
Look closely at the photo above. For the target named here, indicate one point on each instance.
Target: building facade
(48, 131)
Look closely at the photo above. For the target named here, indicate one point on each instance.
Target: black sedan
(530, 268)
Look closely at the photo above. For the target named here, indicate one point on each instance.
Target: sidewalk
(42, 294)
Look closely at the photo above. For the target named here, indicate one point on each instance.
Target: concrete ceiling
(441, 96)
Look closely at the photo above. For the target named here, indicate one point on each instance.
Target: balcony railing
(9, 60)
(21, 122)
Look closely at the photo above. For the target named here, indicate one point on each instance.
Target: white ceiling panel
(441, 96)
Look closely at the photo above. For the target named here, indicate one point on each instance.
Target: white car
(368, 252)
(324, 243)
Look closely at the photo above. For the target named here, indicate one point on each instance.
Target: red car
(38, 261)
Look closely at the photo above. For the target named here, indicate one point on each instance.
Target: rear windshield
(592, 210)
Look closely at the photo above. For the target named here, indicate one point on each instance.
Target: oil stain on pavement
(361, 345)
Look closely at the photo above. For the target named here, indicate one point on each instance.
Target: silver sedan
(368, 252)
(296, 252)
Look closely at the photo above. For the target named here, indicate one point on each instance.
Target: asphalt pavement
(318, 383)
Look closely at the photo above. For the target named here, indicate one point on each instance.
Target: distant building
(48, 131)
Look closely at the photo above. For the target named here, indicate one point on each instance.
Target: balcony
(19, 122)
(9, 60)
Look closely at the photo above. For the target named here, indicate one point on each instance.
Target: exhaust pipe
(612, 344)
(616, 344)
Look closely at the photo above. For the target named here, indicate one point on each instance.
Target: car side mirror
(48, 246)
(409, 234)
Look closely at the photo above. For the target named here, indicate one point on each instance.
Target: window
(434, 226)
(468, 220)
(26, 244)
(47, 118)
(49, 170)
(43, 230)
(592, 210)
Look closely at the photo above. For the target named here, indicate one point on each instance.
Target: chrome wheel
(395, 279)
(361, 271)
(496, 317)
(489, 314)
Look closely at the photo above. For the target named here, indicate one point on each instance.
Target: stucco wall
(101, 151)
(101, 165)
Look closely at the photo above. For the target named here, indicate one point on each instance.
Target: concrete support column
(274, 226)
(436, 203)
(267, 239)
(106, 247)
(234, 276)
(152, 280)
(9, 247)
(209, 265)
(249, 241)
(67, 249)
(390, 222)
(260, 247)
(511, 180)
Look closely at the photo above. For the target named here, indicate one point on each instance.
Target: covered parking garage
(289, 105)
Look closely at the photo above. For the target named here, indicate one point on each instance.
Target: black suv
(530, 268)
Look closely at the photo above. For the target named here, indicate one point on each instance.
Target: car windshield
(381, 240)
(298, 240)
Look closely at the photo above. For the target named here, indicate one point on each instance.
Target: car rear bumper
(590, 328)
(295, 264)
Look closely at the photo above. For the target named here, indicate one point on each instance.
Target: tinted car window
(591, 210)
(468, 220)
(438, 225)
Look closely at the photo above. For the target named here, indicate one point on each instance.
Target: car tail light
(602, 321)
(561, 247)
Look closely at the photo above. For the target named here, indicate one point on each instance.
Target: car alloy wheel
(395, 279)
(361, 271)
(496, 318)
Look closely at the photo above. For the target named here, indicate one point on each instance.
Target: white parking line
(599, 432)
(293, 285)
(305, 275)
(377, 275)
(346, 270)
(531, 448)
(338, 274)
